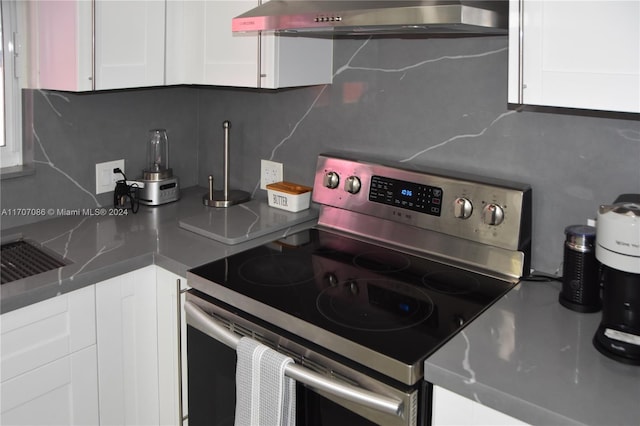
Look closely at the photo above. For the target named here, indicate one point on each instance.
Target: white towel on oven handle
(264, 396)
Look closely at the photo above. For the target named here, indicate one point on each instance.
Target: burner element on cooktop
(375, 305)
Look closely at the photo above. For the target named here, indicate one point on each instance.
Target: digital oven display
(408, 195)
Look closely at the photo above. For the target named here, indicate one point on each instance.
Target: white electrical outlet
(105, 178)
(270, 172)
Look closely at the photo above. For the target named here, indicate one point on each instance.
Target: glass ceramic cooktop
(401, 306)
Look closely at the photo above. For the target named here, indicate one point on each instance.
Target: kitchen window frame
(12, 152)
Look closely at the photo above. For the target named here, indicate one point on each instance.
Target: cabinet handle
(521, 53)
(259, 61)
(179, 333)
(93, 46)
(259, 82)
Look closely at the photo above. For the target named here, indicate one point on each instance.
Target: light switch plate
(105, 178)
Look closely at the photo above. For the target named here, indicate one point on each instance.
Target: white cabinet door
(53, 373)
(63, 392)
(295, 61)
(129, 43)
(127, 339)
(60, 44)
(80, 45)
(577, 54)
(43, 332)
(48, 366)
(171, 336)
(138, 340)
(450, 409)
(201, 49)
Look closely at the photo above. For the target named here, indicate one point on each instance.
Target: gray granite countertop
(526, 356)
(101, 247)
(531, 358)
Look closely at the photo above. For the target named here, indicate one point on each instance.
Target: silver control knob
(331, 180)
(462, 208)
(332, 279)
(353, 288)
(492, 214)
(352, 184)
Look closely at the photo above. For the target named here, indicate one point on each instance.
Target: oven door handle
(197, 318)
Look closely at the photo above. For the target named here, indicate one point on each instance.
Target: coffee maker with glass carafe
(158, 185)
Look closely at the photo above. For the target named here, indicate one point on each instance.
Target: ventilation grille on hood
(377, 16)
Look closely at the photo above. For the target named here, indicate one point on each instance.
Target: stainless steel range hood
(376, 17)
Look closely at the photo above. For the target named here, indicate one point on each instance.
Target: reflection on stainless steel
(502, 263)
(456, 282)
(276, 270)
(504, 249)
(381, 261)
(377, 305)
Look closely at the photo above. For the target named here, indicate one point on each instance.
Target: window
(11, 114)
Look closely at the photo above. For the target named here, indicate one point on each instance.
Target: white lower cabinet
(171, 335)
(138, 360)
(128, 349)
(48, 367)
(63, 392)
(451, 409)
(105, 354)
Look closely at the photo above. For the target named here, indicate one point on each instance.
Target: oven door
(328, 393)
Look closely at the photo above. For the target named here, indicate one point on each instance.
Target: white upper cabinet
(575, 54)
(82, 45)
(201, 49)
(129, 43)
(60, 45)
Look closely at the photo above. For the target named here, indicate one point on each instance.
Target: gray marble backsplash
(420, 101)
(71, 132)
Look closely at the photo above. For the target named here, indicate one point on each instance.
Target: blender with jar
(158, 185)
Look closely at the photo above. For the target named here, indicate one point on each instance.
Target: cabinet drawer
(64, 391)
(43, 332)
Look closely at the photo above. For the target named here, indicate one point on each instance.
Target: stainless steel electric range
(400, 261)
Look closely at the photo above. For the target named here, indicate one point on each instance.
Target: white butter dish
(289, 196)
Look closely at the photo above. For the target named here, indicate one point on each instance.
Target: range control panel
(413, 196)
(482, 209)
